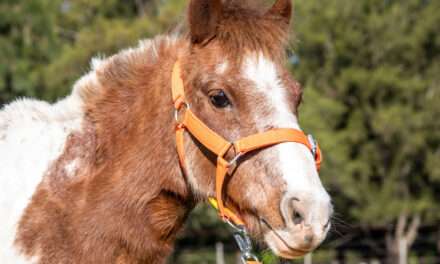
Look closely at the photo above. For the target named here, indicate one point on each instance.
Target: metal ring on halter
(238, 228)
(313, 144)
(234, 160)
(177, 111)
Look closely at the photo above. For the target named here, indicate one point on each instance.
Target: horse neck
(134, 125)
(133, 187)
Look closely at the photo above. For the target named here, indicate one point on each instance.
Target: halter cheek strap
(187, 121)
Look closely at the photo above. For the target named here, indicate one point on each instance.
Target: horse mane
(147, 52)
(243, 28)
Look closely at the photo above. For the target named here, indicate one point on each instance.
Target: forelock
(244, 28)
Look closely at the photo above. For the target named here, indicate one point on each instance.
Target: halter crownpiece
(220, 146)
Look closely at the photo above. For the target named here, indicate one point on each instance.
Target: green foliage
(370, 71)
(45, 45)
(28, 41)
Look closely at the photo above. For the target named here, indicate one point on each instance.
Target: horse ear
(204, 16)
(283, 9)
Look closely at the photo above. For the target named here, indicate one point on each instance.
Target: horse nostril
(297, 218)
(308, 239)
(297, 211)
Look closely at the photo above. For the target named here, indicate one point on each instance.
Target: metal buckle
(313, 144)
(177, 110)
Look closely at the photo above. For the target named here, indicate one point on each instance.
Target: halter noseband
(220, 146)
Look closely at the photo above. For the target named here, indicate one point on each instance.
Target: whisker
(336, 220)
(334, 230)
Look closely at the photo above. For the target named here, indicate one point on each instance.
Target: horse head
(236, 81)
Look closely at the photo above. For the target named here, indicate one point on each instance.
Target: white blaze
(293, 159)
(71, 168)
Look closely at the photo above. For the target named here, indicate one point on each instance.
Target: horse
(96, 178)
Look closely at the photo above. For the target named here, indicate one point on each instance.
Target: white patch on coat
(222, 67)
(97, 62)
(71, 167)
(294, 160)
(32, 135)
(200, 189)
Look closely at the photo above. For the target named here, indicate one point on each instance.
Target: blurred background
(371, 76)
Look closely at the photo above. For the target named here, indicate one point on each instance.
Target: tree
(45, 45)
(28, 41)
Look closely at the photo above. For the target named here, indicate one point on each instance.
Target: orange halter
(220, 146)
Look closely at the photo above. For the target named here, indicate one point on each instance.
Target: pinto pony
(96, 178)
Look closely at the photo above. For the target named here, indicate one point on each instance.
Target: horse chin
(282, 248)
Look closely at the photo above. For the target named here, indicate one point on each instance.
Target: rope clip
(244, 242)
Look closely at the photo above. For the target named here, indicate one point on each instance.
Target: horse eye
(219, 99)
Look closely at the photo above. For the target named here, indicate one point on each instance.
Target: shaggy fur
(116, 193)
